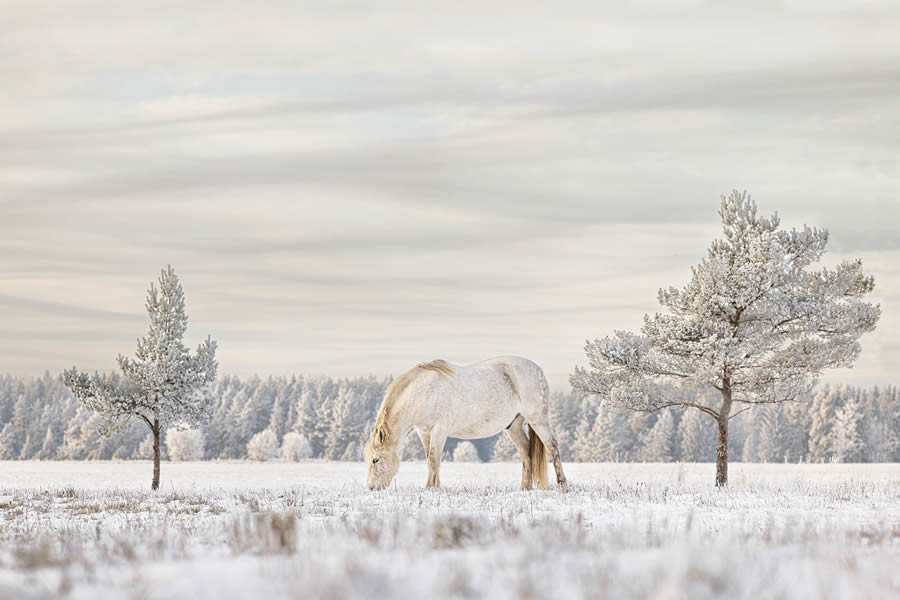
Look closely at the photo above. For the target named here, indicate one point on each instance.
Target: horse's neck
(399, 413)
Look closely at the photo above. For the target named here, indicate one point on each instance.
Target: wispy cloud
(353, 190)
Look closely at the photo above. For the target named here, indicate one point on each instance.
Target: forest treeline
(41, 419)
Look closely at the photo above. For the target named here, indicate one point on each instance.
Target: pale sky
(350, 191)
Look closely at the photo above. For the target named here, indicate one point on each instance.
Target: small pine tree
(164, 384)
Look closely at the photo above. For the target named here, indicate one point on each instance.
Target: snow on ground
(311, 530)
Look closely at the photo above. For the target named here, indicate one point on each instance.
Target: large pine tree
(755, 323)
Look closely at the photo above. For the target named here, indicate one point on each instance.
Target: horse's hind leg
(436, 442)
(544, 432)
(518, 437)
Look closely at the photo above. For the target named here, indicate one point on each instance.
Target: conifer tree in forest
(659, 446)
(848, 432)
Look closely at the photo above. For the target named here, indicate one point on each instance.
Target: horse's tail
(538, 458)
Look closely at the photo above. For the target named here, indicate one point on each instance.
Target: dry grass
(264, 533)
(661, 537)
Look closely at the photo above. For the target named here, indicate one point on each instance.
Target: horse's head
(383, 461)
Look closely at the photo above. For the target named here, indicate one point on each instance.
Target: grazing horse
(439, 400)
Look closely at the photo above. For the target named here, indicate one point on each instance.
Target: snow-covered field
(311, 530)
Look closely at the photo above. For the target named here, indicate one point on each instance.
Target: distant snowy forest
(41, 419)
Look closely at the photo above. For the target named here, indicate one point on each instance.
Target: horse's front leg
(435, 451)
(425, 437)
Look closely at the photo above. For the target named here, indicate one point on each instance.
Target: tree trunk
(722, 453)
(155, 429)
(722, 445)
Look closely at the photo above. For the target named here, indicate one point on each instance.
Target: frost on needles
(164, 385)
(755, 322)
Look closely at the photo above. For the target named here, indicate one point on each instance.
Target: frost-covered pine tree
(306, 414)
(772, 434)
(48, 448)
(362, 418)
(565, 411)
(659, 444)
(848, 432)
(891, 404)
(637, 428)
(465, 451)
(824, 406)
(263, 446)
(343, 411)
(797, 424)
(583, 445)
(256, 413)
(164, 385)
(881, 426)
(693, 438)
(236, 435)
(9, 447)
(750, 451)
(754, 323)
(608, 439)
(278, 421)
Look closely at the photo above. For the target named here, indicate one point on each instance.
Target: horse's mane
(382, 421)
(438, 366)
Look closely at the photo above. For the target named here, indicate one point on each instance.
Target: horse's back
(526, 375)
(506, 362)
(484, 397)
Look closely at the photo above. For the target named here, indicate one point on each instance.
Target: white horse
(440, 400)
